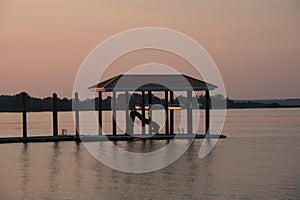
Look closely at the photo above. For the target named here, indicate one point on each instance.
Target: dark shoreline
(235, 108)
(13, 104)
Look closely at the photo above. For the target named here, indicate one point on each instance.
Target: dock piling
(207, 107)
(114, 113)
(77, 115)
(150, 111)
(54, 114)
(171, 113)
(143, 114)
(100, 113)
(24, 109)
(189, 113)
(167, 112)
(127, 118)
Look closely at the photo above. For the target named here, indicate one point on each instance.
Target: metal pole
(114, 117)
(166, 113)
(77, 131)
(54, 114)
(143, 113)
(189, 113)
(172, 113)
(24, 115)
(100, 113)
(207, 107)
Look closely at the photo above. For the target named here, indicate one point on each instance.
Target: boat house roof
(152, 82)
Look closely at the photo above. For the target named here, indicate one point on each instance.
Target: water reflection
(78, 168)
(24, 158)
(259, 159)
(54, 169)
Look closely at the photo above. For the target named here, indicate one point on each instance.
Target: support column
(77, 129)
(150, 112)
(127, 119)
(143, 113)
(189, 113)
(166, 112)
(100, 131)
(24, 108)
(171, 113)
(54, 114)
(114, 115)
(207, 107)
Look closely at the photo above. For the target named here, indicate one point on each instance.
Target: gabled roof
(152, 82)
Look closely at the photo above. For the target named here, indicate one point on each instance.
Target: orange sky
(255, 44)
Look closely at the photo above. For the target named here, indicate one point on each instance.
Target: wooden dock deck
(94, 138)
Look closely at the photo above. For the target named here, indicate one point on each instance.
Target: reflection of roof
(153, 82)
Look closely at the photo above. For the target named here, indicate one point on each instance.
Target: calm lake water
(260, 159)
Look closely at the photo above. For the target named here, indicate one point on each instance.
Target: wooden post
(172, 113)
(24, 115)
(189, 113)
(166, 113)
(54, 114)
(77, 131)
(207, 107)
(100, 113)
(114, 115)
(127, 112)
(150, 112)
(143, 113)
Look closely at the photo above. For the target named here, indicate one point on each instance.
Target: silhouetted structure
(154, 83)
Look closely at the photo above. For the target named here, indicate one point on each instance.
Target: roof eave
(150, 89)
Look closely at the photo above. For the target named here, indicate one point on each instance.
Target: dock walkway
(121, 137)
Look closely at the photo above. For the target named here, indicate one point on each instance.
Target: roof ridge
(187, 76)
(207, 84)
(113, 79)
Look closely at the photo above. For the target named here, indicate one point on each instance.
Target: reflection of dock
(122, 137)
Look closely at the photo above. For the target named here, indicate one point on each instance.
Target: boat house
(147, 84)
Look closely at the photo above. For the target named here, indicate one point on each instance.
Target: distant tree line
(13, 103)
(10, 103)
(251, 104)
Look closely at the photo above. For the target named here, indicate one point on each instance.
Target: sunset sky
(255, 43)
